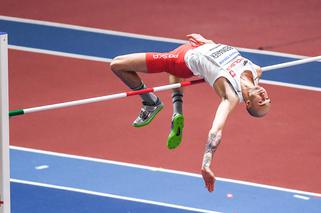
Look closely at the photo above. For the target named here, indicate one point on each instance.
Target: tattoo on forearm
(211, 146)
(207, 158)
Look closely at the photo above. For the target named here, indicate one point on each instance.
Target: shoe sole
(175, 136)
(150, 119)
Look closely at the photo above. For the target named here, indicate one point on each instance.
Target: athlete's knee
(117, 64)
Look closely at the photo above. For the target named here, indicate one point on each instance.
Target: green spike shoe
(175, 136)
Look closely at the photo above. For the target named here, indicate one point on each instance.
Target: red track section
(286, 26)
(282, 149)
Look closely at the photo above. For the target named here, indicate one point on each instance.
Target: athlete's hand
(197, 39)
(209, 178)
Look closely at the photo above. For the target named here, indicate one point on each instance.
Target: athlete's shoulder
(225, 90)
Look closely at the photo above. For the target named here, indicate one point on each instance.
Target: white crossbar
(155, 89)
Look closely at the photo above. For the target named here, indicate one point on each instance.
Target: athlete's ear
(248, 103)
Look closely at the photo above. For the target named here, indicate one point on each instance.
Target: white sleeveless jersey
(212, 61)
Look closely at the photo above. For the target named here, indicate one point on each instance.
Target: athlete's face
(259, 101)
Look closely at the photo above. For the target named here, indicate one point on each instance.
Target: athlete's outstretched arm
(214, 139)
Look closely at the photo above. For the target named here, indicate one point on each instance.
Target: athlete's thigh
(133, 62)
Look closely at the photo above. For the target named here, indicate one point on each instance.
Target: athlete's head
(258, 103)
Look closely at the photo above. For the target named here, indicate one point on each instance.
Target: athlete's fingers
(194, 35)
(195, 38)
(191, 35)
(209, 179)
(210, 184)
(194, 43)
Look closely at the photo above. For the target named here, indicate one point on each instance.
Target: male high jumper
(233, 78)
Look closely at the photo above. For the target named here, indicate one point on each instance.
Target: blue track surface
(50, 200)
(132, 182)
(106, 45)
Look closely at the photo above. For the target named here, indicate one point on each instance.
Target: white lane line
(111, 196)
(294, 191)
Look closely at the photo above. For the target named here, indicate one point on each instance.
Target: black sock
(177, 99)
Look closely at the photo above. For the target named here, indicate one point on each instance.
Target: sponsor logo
(233, 64)
(164, 56)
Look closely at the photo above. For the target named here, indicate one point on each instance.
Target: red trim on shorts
(171, 62)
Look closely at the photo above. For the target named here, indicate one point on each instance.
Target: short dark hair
(253, 112)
